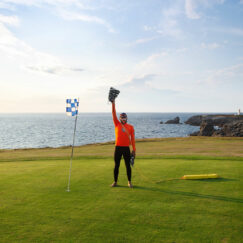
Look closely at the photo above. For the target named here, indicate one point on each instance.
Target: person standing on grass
(124, 137)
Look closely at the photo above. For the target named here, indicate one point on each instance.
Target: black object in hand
(132, 160)
(113, 94)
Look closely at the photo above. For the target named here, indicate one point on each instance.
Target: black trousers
(119, 152)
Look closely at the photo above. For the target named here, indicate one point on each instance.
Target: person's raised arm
(115, 120)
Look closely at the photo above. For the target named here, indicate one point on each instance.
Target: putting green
(35, 207)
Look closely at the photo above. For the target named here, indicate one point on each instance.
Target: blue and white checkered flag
(72, 110)
(72, 107)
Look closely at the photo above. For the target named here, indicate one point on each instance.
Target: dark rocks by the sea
(206, 129)
(176, 120)
(217, 120)
(227, 127)
(232, 129)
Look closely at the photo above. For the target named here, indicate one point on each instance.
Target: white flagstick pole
(68, 189)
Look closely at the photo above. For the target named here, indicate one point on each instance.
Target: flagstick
(68, 189)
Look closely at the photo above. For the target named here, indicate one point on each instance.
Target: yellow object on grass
(195, 177)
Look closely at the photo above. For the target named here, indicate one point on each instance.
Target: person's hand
(133, 153)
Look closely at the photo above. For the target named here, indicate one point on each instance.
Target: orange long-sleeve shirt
(123, 138)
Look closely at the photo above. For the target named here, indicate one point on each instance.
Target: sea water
(55, 130)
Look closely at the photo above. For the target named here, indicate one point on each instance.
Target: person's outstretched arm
(115, 120)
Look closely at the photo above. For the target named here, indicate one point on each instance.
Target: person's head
(123, 118)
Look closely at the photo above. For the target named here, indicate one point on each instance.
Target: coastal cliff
(216, 120)
(217, 125)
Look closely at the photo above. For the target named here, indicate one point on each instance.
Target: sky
(163, 56)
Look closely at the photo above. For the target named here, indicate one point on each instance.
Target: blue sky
(164, 56)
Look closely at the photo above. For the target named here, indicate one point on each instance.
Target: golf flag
(72, 110)
(72, 107)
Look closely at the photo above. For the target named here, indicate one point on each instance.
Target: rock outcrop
(217, 120)
(194, 120)
(207, 128)
(231, 129)
(173, 121)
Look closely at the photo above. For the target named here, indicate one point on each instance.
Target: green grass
(35, 207)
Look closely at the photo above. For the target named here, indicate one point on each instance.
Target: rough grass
(35, 207)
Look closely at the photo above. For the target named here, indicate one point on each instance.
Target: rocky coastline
(217, 120)
(217, 125)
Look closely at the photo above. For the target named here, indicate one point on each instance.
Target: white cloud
(6, 6)
(141, 81)
(236, 31)
(210, 46)
(145, 84)
(26, 57)
(21, 2)
(78, 4)
(171, 17)
(39, 3)
(10, 20)
(190, 7)
(170, 24)
(225, 75)
(159, 72)
(148, 28)
(86, 18)
(142, 41)
(232, 31)
(13, 47)
(7, 40)
(149, 65)
(62, 6)
(54, 69)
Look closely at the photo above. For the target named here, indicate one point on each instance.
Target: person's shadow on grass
(193, 194)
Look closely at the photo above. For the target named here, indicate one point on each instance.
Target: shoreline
(113, 143)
